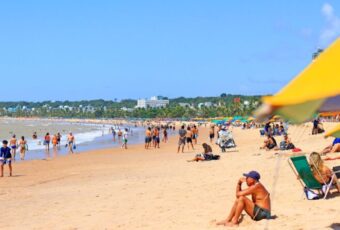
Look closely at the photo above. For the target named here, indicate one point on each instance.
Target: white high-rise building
(153, 102)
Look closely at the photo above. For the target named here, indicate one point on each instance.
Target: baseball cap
(253, 174)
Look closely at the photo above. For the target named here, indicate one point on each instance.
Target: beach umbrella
(334, 132)
(315, 89)
(251, 118)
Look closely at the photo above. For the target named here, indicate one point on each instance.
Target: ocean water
(99, 139)
(88, 136)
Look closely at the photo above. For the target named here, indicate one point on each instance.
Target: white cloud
(332, 28)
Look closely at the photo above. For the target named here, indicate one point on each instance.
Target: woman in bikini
(23, 148)
(321, 172)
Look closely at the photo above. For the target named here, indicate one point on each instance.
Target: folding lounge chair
(302, 169)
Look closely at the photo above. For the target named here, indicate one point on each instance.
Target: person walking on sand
(157, 139)
(212, 133)
(189, 136)
(47, 141)
(258, 208)
(71, 143)
(182, 138)
(23, 148)
(165, 134)
(195, 134)
(14, 144)
(5, 157)
(125, 138)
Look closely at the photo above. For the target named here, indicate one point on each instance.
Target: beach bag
(290, 146)
(310, 194)
(336, 169)
(283, 145)
(74, 147)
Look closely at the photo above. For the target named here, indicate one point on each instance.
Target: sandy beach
(159, 189)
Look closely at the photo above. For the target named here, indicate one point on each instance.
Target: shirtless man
(189, 137)
(13, 143)
(70, 142)
(258, 208)
(195, 134)
(148, 138)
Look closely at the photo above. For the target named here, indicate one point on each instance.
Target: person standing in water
(23, 148)
(59, 139)
(71, 142)
(125, 138)
(47, 141)
(14, 144)
(55, 141)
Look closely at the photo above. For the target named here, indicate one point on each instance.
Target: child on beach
(5, 157)
(258, 208)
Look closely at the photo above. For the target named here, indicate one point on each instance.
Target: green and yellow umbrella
(315, 89)
(334, 132)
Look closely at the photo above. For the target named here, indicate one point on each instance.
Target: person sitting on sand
(207, 154)
(258, 208)
(286, 144)
(321, 172)
(269, 143)
(333, 148)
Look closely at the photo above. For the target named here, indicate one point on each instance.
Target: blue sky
(73, 50)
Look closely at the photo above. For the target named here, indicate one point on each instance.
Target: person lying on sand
(321, 172)
(269, 143)
(207, 155)
(333, 148)
(258, 208)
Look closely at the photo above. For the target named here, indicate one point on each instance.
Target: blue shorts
(4, 161)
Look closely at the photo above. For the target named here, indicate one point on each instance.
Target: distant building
(205, 104)
(153, 102)
(185, 105)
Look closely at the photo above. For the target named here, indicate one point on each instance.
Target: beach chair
(301, 168)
